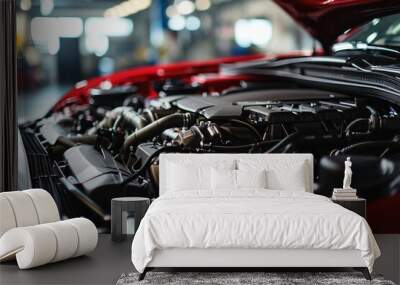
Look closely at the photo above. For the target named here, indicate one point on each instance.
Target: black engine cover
(98, 174)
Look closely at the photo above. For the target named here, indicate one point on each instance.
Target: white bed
(279, 225)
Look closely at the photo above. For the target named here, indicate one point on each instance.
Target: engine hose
(250, 127)
(110, 117)
(149, 114)
(395, 142)
(354, 123)
(242, 147)
(147, 163)
(86, 139)
(156, 128)
(134, 120)
(287, 140)
(368, 146)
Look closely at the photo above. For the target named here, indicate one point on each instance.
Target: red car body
(145, 77)
(326, 20)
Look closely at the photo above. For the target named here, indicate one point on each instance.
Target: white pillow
(186, 176)
(293, 179)
(230, 180)
(251, 178)
(223, 179)
(281, 174)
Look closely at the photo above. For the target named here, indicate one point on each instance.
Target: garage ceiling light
(176, 23)
(97, 44)
(192, 23)
(111, 27)
(203, 5)
(98, 30)
(47, 31)
(171, 11)
(127, 8)
(185, 7)
(253, 32)
(46, 7)
(25, 5)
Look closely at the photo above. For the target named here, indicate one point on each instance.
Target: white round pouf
(41, 244)
(7, 218)
(45, 206)
(26, 208)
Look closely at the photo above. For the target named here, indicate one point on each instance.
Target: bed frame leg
(142, 275)
(364, 271)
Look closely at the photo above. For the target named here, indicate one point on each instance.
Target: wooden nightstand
(357, 205)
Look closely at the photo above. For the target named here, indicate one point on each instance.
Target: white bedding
(250, 219)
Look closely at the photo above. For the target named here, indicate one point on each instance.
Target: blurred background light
(25, 5)
(253, 32)
(53, 45)
(176, 23)
(97, 44)
(127, 8)
(67, 27)
(47, 31)
(171, 11)
(106, 65)
(192, 23)
(46, 7)
(112, 27)
(99, 29)
(261, 30)
(202, 5)
(242, 33)
(185, 7)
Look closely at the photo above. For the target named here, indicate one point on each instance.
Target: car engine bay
(109, 148)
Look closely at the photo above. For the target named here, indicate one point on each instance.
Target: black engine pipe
(85, 139)
(243, 147)
(287, 140)
(249, 126)
(369, 146)
(74, 140)
(134, 120)
(156, 128)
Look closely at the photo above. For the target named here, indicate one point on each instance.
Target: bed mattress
(250, 219)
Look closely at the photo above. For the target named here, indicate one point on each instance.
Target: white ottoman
(31, 231)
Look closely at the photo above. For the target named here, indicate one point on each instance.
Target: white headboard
(205, 159)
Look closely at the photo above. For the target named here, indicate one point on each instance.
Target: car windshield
(382, 32)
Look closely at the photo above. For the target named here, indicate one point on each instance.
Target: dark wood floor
(103, 266)
(110, 259)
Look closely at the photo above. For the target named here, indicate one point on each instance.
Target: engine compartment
(104, 150)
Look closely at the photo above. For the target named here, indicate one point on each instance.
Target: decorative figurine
(347, 192)
(347, 174)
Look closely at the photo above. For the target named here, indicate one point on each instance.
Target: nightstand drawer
(357, 205)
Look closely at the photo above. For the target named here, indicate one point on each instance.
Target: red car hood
(327, 19)
(144, 77)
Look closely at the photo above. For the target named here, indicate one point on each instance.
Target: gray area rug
(243, 278)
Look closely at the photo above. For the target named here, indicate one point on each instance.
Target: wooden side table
(357, 205)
